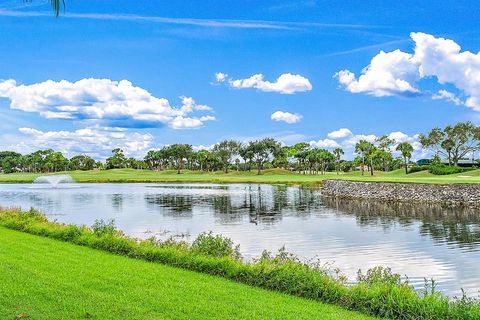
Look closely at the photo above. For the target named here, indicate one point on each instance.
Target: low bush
(378, 292)
(215, 246)
(441, 169)
(102, 228)
(418, 168)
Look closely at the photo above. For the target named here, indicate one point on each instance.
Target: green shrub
(216, 246)
(380, 275)
(418, 168)
(378, 292)
(101, 227)
(441, 169)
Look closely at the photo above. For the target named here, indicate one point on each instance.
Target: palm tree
(406, 149)
(338, 152)
(56, 5)
(365, 149)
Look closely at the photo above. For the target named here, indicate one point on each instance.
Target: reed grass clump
(377, 292)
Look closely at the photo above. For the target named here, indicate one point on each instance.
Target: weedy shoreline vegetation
(378, 292)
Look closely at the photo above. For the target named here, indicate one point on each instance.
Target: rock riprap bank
(451, 194)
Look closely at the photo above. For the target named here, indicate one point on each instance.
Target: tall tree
(9, 160)
(453, 142)
(82, 162)
(56, 161)
(299, 151)
(406, 150)
(202, 158)
(338, 153)
(325, 158)
(281, 158)
(117, 160)
(227, 150)
(247, 155)
(9, 164)
(263, 151)
(380, 158)
(313, 159)
(384, 145)
(151, 160)
(179, 153)
(365, 149)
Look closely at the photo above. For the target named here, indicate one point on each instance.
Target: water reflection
(418, 240)
(262, 204)
(458, 226)
(171, 204)
(117, 201)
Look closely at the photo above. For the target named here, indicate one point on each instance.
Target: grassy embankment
(43, 276)
(47, 279)
(268, 176)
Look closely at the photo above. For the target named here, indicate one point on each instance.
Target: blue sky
(167, 51)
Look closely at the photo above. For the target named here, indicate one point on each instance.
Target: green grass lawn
(268, 176)
(49, 279)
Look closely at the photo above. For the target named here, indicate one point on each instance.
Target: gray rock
(467, 195)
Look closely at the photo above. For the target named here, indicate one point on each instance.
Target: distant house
(365, 167)
(464, 163)
(461, 163)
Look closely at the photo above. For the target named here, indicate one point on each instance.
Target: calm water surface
(419, 241)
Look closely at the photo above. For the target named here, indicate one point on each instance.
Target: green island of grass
(43, 278)
(273, 176)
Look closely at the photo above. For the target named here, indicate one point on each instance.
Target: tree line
(452, 144)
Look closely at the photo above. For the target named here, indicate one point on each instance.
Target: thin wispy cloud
(366, 48)
(212, 23)
(15, 4)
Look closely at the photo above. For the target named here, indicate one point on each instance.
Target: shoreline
(270, 176)
(284, 273)
(452, 195)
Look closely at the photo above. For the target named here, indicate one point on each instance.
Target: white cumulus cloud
(396, 72)
(340, 133)
(286, 83)
(325, 143)
(398, 136)
(389, 73)
(95, 142)
(221, 77)
(115, 103)
(352, 141)
(286, 117)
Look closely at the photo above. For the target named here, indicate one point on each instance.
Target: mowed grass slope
(47, 279)
(267, 176)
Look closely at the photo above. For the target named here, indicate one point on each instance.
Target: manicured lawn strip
(378, 292)
(49, 279)
(273, 176)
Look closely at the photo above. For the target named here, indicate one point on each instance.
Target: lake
(415, 240)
